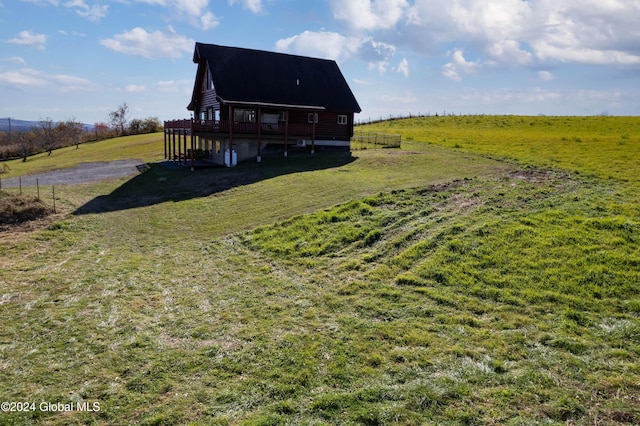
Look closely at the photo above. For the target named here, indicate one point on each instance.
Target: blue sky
(80, 59)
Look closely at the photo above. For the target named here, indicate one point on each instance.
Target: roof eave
(271, 105)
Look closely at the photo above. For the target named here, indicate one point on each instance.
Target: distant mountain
(16, 125)
(25, 125)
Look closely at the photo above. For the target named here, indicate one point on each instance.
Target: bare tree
(25, 141)
(101, 130)
(118, 118)
(69, 132)
(46, 134)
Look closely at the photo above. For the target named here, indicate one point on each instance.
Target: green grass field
(448, 282)
(608, 147)
(147, 147)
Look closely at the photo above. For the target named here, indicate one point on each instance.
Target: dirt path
(82, 173)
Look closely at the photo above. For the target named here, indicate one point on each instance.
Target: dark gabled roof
(247, 76)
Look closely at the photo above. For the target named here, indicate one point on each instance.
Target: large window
(270, 121)
(208, 82)
(244, 116)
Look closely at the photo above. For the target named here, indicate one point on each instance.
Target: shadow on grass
(163, 182)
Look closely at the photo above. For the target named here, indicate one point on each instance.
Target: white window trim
(342, 119)
(311, 117)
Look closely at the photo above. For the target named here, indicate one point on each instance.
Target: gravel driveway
(82, 173)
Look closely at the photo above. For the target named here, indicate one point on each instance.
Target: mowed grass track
(422, 286)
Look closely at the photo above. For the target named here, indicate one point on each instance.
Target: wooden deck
(186, 141)
(197, 127)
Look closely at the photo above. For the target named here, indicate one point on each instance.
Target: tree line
(48, 135)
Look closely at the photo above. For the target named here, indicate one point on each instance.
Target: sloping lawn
(427, 285)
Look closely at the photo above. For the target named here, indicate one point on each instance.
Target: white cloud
(430, 22)
(492, 20)
(321, 44)
(69, 83)
(208, 21)
(459, 64)
(545, 76)
(588, 31)
(192, 7)
(26, 77)
(254, 6)
(135, 88)
(195, 12)
(370, 14)
(376, 54)
(15, 59)
(43, 2)
(154, 2)
(330, 45)
(403, 67)
(175, 86)
(158, 44)
(27, 38)
(585, 55)
(509, 52)
(523, 33)
(94, 13)
(167, 86)
(449, 70)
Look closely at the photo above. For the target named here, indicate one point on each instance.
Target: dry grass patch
(20, 213)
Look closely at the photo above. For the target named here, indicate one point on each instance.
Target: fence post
(53, 192)
(38, 187)
(20, 183)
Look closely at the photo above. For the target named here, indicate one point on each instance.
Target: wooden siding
(209, 100)
(327, 126)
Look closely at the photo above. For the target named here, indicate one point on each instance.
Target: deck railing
(211, 126)
(178, 124)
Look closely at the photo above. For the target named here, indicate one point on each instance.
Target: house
(247, 103)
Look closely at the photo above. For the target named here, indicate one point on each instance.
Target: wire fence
(44, 193)
(371, 140)
(392, 117)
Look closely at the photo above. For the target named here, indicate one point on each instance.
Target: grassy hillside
(602, 146)
(423, 285)
(484, 301)
(148, 147)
